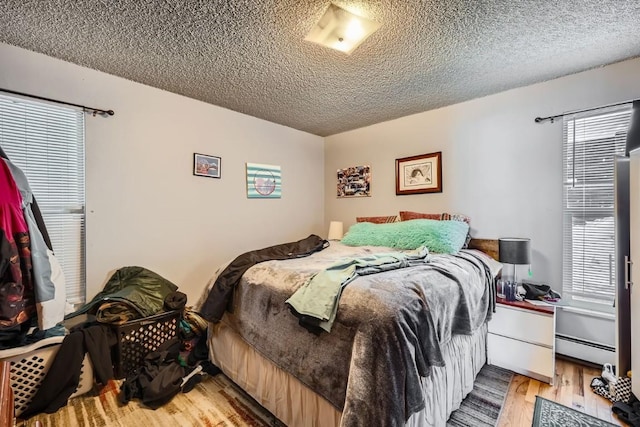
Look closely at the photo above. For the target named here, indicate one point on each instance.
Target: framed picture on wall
(205, 165)
(354, 181)
(419, 174)
(264, 181)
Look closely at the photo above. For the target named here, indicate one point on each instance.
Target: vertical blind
(591, 141)
(47, 142)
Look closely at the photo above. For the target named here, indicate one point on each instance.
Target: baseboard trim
(578, 361)
(596, 354)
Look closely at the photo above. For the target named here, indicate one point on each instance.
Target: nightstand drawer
(524, 325)
(521, 357)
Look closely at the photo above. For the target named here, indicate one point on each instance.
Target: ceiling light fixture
(341, 30)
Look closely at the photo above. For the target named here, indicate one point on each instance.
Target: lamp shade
(335, 230)
(514, 250)
(633, 136)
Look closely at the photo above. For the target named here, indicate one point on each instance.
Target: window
(591, 141)
(47, 142)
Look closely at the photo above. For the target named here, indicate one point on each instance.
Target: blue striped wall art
(263, 181)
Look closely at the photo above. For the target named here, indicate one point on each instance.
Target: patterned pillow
(377, 219)
(408, 215)
(456, 217)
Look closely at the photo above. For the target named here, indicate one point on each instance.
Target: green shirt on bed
(319, 297)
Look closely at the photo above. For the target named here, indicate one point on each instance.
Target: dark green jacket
(137, 287)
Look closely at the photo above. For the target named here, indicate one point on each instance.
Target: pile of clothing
(538, 291)
(177, 365)
(165, 373)
(131, 293)
(618, 391)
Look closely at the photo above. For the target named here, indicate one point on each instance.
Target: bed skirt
(297, 405)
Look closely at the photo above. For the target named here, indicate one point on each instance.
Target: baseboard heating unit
(582, 349)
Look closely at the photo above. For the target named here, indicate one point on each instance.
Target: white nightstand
(522, 339)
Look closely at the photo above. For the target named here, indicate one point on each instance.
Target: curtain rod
(557, 116)
(92, 110)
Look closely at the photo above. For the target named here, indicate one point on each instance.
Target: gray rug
(547, 413)
(482, 407)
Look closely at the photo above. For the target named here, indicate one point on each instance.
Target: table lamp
(514, 250)
(335, 230)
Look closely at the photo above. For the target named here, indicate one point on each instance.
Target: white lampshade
(335, 230)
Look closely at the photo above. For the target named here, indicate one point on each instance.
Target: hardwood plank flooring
(571, 388)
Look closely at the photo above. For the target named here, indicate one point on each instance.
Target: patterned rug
(217, 401)
(547, 413)
(483, 405)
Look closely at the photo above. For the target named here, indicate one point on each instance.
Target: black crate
(140, 337)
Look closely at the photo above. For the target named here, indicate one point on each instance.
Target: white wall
(499, 166)
(144, 206)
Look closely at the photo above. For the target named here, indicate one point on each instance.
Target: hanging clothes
(36, 213)
(17, 302)
(48, 279)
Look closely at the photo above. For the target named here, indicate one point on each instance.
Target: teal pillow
(445, 237)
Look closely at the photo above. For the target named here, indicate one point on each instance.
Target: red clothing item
(17, 303)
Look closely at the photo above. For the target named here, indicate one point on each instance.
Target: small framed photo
(205, 165)
(354, 181)
(419, 174)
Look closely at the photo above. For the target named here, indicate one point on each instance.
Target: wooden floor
(571, 388)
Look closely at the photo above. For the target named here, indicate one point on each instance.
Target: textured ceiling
(250, 56)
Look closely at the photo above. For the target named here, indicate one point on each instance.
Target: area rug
(217, 401)
(547, 413)
(483, 405)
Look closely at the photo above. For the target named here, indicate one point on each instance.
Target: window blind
(47, 142)
(591, 141)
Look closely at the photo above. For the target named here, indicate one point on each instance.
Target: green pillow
(446, 237)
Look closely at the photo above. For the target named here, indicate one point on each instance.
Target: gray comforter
(388, 332)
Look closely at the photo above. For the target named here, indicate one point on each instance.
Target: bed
(405, 347)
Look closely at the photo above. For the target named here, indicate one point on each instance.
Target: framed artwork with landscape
(205, 165)
(419, 174)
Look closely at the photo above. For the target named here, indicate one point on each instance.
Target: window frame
(597, 142)
(46, 129)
